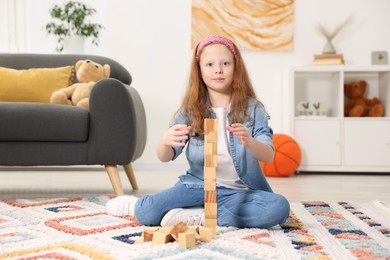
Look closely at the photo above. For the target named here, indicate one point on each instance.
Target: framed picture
(379, 58)
(252, 25)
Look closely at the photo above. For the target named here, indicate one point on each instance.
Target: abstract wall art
(266, 25)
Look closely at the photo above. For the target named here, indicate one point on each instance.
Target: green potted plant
(69, 20)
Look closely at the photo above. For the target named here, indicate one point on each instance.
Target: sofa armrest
(116, 135)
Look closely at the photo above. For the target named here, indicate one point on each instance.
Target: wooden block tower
(210, 174)
(187, 236)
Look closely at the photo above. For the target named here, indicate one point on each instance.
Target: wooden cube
(210, 210)
(210, 222)
(210, 196)
(187, 239)
(210, 124)
(195, 230)
(206, 234)
(209, 173)
(162, 236)
(148, 233)
(210, 185)
(210, 160)
(180, 227)
(211, 137)
(210, 148)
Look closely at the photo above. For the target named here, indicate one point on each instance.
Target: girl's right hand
(174, 135)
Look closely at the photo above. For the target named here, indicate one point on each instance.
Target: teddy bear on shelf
(358, 105)
(77, 94)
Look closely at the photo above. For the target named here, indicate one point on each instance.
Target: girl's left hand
(241, 132)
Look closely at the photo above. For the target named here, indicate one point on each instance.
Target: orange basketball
(287, 157)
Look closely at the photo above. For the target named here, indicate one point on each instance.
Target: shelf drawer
(367, 143)
(319, 141)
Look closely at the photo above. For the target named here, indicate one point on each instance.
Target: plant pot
(74, 45)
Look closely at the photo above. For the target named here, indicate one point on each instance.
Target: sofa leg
(113, 174)
(130, 175)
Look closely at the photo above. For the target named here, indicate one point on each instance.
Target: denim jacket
(246, 165)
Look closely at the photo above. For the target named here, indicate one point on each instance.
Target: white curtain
(13, 25)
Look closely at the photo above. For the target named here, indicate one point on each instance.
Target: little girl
(218, 87)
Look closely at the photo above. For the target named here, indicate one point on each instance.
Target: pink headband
(215, 39)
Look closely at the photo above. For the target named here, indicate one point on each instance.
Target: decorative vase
(74, 45)
(329, 48)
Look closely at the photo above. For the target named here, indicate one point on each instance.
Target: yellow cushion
(33, 85)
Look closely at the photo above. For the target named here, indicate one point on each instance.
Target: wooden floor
(62, 182)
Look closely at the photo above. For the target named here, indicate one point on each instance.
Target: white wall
(3, 26)
(152, 39)
(36, 16)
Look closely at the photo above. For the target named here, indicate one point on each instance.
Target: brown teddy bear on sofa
(77, 94)
(358, 105)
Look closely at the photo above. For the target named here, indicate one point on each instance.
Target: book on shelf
(328, 59)
(328, 56)
(334, 61)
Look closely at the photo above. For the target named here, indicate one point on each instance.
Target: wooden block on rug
(180, 227)
(206, 234)
(187, 239)
(148, 233)
(162, 236)
(195, 230)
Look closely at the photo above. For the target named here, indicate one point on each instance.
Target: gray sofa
(112, 132)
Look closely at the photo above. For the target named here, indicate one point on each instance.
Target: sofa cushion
(43, 122)
(33, 85)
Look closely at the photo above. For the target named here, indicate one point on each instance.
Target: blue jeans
(238, 208)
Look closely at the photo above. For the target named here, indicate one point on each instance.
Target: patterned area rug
(78, 228)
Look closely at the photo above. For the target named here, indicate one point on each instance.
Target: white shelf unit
(334, 143)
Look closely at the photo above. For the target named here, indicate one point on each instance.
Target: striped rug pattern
(79, 228)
